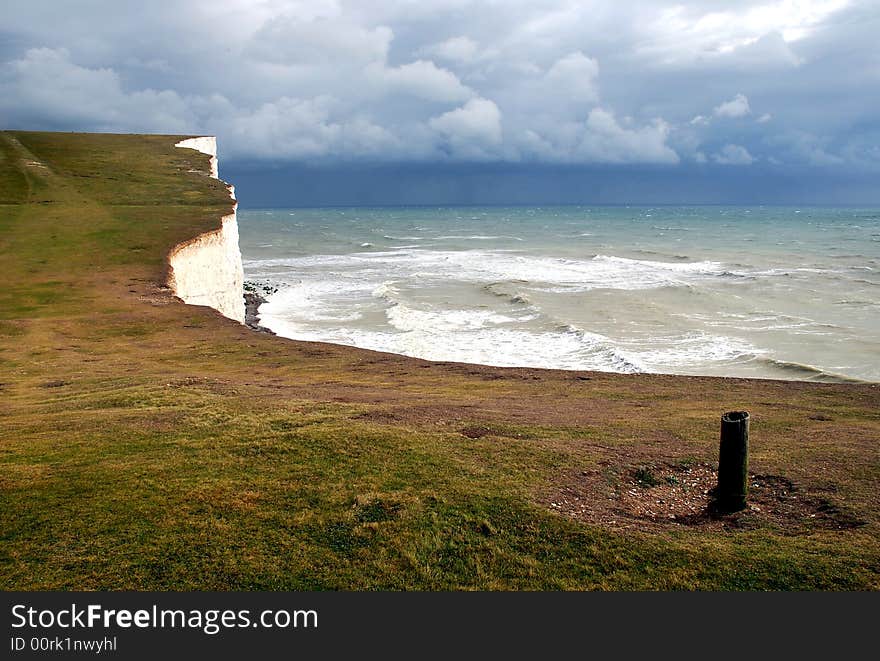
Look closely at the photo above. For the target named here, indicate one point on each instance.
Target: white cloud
(95, 99)
(455, 49)
(706, 33)
(733, 155)
(563, 91)
(422, 79)
(45, 84)
(300, 128)
(738, 106)
(766, 53)
(291, 41)
(795, 20)
(606, 141)
(532, 144)
(472, 130)
(574, 76)
(337, 79)
(307, 129)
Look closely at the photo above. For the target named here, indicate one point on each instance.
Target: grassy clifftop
(148, 444)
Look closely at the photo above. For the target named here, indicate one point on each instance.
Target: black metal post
(733, 462)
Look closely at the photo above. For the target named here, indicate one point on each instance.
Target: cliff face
(207, 270)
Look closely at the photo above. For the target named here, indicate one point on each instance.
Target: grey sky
(715, 85)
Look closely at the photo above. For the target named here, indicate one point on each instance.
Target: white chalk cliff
(207, 269)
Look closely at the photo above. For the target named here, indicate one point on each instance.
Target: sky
(458, 101)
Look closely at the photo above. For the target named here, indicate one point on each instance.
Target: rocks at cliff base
(253, 299)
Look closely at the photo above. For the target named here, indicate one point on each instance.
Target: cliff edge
(207, 270)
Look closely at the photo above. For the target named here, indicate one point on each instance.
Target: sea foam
(608, 289)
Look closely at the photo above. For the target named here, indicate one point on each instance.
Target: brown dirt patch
(475, 432)
(678, 495)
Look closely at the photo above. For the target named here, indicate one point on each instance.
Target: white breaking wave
(387, 291)
(491, 339)
(642, 295)
(694, 349)
(472, 340)
(405, 318)
(312, 301)
(331, 294)
(599, 271)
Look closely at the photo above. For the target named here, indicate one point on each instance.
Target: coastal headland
(150, 444)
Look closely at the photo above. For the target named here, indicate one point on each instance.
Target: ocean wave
(508, 291)
(684, 352)
(775, 272)
(806, 372)
(476, 237)
(508, 345)
(589, 272)
(489, 337)
(406, 318)
(387, 291)
(707, 267)
(672, 353)
(684, 302)
(602, 353)
(642, 251)
(613, 272)
(316, 301)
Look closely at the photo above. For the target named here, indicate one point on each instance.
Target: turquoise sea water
(766, 292)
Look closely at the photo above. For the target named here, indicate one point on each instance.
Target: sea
(767, 292)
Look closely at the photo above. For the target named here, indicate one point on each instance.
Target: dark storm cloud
(716, 85)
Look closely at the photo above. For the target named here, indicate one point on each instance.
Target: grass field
(146, 444)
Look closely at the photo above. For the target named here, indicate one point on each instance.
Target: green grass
(145, 444)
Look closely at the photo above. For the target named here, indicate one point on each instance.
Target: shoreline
(254, 300)
(634, 292)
